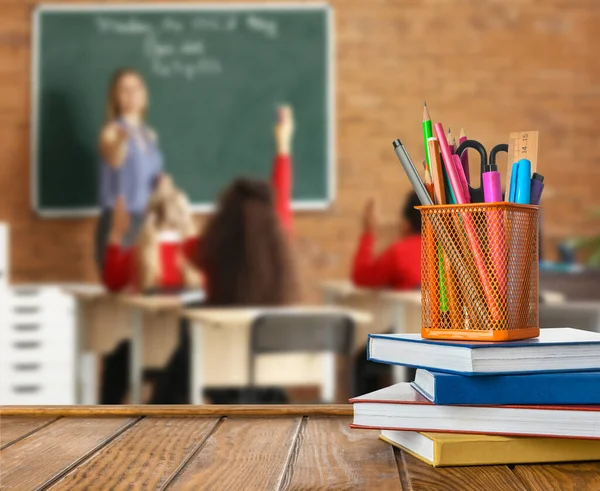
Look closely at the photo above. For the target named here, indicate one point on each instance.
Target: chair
(564, 315)
(281, 332)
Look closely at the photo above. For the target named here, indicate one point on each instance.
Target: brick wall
(490, 66)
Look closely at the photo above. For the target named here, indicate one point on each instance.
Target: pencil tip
(425, 103)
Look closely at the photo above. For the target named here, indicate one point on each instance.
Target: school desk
(151, 323)
(236, 447)
(211, 322)
(104, 319)
(396, 311)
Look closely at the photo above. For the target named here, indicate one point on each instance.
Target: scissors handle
(475, 193)
(501, 147)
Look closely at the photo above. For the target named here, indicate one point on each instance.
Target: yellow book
(453, 449)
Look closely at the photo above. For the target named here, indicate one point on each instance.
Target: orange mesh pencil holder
(479, 276)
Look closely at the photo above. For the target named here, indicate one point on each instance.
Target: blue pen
(513, 183)
(520, 182)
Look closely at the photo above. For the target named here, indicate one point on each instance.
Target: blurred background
(356, 74)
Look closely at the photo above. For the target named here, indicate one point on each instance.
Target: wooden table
(235, 448)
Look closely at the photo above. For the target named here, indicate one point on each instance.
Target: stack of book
(530, 401)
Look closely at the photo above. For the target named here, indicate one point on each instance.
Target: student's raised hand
(164, 186)
(120, 221)
(370, 216)
(284, 130)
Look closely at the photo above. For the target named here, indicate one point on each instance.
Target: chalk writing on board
(260, 24)
(125, 27)
(170, 24)
(177, 47)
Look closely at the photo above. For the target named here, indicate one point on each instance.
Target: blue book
(555, 350)
(499, 390)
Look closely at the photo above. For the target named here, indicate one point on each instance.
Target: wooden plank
(159, 444)
(418, 476)
(53, 450)
(332, 456)
(14, 428)
(182, 410)
(581, 476)
(242, 454)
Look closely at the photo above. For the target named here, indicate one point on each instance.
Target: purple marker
(492, 186)
(537, 186)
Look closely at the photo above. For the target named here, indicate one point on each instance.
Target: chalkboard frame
(309, 205)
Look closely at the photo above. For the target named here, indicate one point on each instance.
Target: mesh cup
(479, 271)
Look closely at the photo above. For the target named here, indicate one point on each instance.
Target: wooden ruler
(522, 145)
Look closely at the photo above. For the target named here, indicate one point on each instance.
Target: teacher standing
(130, 160)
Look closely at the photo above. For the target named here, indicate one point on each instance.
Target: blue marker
(520, 182)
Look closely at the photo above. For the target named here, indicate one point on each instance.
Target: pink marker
(461, 176)
(464, 158)
(467, 220)
(450, 166)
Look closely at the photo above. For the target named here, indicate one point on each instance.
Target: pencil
(427, 133)
(428, 182)
(437, 173)
(451, 141)
(437, 299)
(464, 158)
(437, 176)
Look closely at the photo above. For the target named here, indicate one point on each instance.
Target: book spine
(517, 390)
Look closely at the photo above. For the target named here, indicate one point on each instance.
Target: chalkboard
(215, 76)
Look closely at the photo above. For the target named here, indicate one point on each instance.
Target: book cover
(450, 449)
(555, 350)
(575, 388)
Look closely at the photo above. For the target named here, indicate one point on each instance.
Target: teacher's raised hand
(113, 143)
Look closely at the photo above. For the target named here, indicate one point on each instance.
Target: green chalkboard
(215, 77)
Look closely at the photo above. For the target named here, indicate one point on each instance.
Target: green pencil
(427, 133)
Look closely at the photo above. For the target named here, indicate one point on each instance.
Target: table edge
(181, 410)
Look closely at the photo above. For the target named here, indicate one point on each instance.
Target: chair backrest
(280, 332)
(298, 332)
(562, 316)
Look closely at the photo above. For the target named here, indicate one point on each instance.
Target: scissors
(476, 194)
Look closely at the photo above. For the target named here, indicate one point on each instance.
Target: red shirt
(120, 266)
(398, 267)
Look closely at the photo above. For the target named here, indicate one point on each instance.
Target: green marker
(427, 133)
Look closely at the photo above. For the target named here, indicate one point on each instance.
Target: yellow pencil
(436, 172)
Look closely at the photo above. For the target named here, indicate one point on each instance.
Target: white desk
(155, 305)
(203, 319)
(400, 310)
(140, 304)
(137, 305)
(83, 294)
